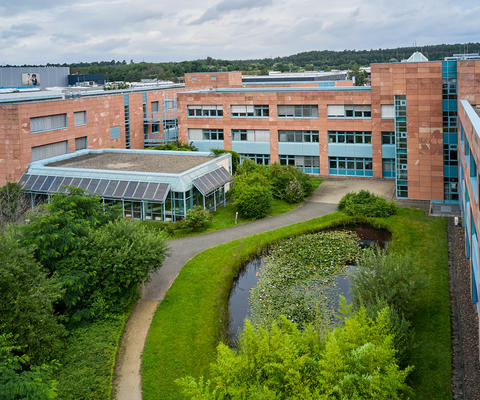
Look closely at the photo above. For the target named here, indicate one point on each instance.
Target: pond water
(239, 305)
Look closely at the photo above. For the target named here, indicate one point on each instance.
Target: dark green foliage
(13, 205)
(71, 217)
(87, 365)
(100, 273)
(26, 302)
(197, 219)
(280, 177)
(355, 361)
(252, 195)
(235, 157)
(366, 204)
(168, 227)
(247, 166)
(18, 381)
(176, 146)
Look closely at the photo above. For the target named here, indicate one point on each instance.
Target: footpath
(128, 382)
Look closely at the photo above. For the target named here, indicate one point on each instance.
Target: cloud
(227, 6)
(21, 31)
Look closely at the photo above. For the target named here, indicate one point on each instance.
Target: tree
(13, 205)
(17, 381)
(27, 296)
(70, 218)
(359, 75)
(103, 271)
(252, 195)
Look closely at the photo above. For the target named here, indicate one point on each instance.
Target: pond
(239, 305)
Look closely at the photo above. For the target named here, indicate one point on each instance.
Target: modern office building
(417, 124)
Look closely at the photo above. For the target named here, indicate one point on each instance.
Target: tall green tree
(359, 75)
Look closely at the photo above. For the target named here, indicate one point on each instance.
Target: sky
(37, 32)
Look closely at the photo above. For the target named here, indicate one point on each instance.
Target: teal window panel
(206, 145)
(388, 151)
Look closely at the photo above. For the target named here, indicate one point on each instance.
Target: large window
(205, 111)
(351, 166)
(49, 150)
(155, 106)
(205, 134)
(450, 154)
(298, 136)
(388, 167)
(308, 164)
(349, 111)
(388, 137)
(449, 88)
(251, 135)
(249, 111)
(307, 111)
(48, 123)
(449, 121)
(350, 137)
(256, 158)
(80, 118)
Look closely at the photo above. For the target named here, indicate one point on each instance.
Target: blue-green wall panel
(245, 147)
(350, 150)
(388, 151)
(299, 149)
(206, 145)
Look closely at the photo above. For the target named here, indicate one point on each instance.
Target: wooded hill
(306, 61)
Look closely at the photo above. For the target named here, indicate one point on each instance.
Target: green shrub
(280, 177)
(197, 219)
(366, 204)
(355, 361)
(168, 227)
(175, 146)
(248, 166)
(294, 192)
(391, 277)
(252, 195)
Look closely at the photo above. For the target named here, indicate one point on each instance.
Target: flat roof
(155, 162)
(284, 89)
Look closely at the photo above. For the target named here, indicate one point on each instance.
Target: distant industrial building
(33, 77)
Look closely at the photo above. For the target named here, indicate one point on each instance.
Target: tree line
(115, 70)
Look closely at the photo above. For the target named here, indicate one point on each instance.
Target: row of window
(260, 135)
(58, 121)
(291, 111)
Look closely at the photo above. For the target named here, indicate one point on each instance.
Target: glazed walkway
(322, 202)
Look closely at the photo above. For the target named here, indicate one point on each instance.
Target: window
(114, 132)
(388, 168)
(80, 118)
(249, 111)
(298, 136)
(205, 134)
(256, 158)
(205, 111)
(194, 78)
(308, 164)
(80, 143)
(155, 128)
(155, 106)
(450, 154)
(449, 88)
(350, 137)
(449, 121)
(251, 135)
(213, 78)
(349, 111)
(307, 111)
(351, 166)
(388, 111)
(450, 188)
(48, 123)
(388, 137)
(49, 150)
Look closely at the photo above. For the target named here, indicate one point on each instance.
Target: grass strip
(189, 322)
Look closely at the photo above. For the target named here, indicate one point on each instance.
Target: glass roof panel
(56, 184)
(66, 181)
(84, 184)
(101, 187)
(39, 182)
(30, 182)
(161, 192)
(151, 190)
(76, 182)
(110, 188)
(93, 184)
(23, 180)
(47, 183)
(142, 186)
(130, 189)
(120, 189)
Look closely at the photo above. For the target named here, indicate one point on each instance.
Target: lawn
(224, 217)
(189, 322)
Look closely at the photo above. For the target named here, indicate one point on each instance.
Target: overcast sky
(41, 31)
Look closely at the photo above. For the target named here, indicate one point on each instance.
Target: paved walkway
(322, 202)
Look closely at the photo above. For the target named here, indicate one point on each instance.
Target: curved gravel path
(128, 382)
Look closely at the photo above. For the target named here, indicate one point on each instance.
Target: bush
(366, 204)
(280, 177)
(294, 192)
(248, 166)
(197, 219)
(167, 227)
(176, 146)
(390, 277)
(252, 195)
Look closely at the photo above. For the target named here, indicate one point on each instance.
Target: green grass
(224, 217)
(188, 323)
